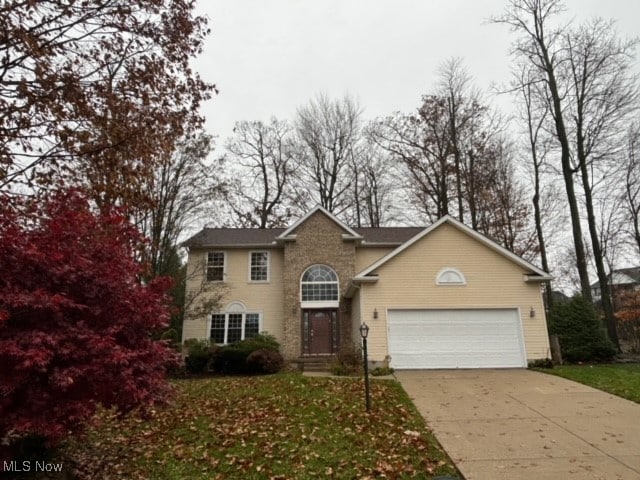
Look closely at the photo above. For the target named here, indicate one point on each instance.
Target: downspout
(359, 298)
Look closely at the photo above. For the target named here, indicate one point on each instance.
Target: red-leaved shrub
(75, 318)
(628, 319)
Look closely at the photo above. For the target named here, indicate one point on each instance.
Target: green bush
(263, 340)
(264, 361)
(381, 371)
(232, 358)
(581, 334)
(201, 355)
(171, 335)
(541, 363)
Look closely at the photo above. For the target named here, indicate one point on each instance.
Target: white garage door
(481, 338)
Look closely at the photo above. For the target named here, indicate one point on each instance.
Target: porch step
(314, 364)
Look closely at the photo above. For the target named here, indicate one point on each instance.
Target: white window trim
(446, 270)
(224, 266)
(320, 304)
(268, 267)
(226, 324)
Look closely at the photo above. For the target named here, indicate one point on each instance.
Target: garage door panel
(451, 360)
(481, 338)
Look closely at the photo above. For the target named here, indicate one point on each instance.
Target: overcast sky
(268, 57)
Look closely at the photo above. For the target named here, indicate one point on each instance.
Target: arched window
(450, 276)
(319, 284)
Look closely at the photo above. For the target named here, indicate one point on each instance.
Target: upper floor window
(259, 266)
(319, 283)
(450, 276)
(215, 266)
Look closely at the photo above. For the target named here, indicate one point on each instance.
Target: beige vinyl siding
(265, 298)
(366, 256)
(492, 281)
(195, 327)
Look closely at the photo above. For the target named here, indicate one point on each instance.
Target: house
(443, 296)
(620, 280)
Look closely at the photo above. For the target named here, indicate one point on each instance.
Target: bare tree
(541, 46)
(180, 192)
(502, 210)
(456, 160)
(463, 109)
(259, 191)
(591, 94)
(603, 94)
(535, 118)
(201, 297)
(420, 143)
(632, 183)
(373, 184)
(180, 195)
(327, 132)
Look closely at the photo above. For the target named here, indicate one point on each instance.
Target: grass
(622, 380)
(275, 427)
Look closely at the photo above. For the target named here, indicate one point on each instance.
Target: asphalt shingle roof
(212, 237)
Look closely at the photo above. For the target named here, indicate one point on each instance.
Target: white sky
(268, 57)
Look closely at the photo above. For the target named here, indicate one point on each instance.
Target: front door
(319, 331)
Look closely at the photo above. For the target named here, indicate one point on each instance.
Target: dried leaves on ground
(275, 427)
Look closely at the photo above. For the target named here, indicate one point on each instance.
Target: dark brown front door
(319, 330)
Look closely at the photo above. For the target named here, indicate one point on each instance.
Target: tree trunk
(567, 173)
(607, 307)
(540, 234)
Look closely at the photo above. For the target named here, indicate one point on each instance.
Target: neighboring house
(443, 296)
(621, 280)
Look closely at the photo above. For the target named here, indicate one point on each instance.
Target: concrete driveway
(519, 424)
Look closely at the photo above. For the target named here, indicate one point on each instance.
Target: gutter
(354, 284)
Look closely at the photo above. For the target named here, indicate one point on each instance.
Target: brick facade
(318, 241)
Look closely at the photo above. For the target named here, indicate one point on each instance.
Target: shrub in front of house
(232, 358)
(540, 363)
(264, 361)
(200, 357)
(580, 332)
(628, 320)
(347, 363)
(171, 337)
(381, 371)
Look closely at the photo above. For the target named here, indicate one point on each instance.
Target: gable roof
(631, 272)
(318, 208)
(538, 274)
(621, 276)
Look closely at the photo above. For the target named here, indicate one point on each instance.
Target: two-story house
(441, 296)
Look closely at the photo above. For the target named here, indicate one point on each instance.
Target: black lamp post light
(364, 332)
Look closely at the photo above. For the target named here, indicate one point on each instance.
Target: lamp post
(364, 332)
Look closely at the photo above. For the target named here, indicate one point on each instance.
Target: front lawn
(618, 379)
(275, 427)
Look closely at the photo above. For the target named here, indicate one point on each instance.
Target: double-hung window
(259, 266)
(215, 266)
(233, 327)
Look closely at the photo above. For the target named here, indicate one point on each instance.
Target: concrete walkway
(519, 424)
